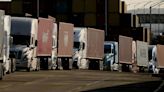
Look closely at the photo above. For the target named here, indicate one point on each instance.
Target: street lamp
(106, 17)
(145, 5)
(38, 8)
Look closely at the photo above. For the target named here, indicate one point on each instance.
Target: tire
(1, 71)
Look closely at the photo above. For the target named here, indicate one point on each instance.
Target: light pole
(37, 8)
(145, 5)
(106, 17)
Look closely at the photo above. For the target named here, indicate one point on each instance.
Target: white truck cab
(110, 55)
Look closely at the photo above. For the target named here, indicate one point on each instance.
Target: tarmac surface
(80, 81)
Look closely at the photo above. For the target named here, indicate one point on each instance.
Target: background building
(83, 13)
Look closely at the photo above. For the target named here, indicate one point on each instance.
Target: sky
(143, 7)
(131, 4)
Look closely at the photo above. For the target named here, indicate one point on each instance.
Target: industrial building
(109, 15)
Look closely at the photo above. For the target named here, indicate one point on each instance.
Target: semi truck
(110, 61)
(88, 48)
(156, 64)
(24, 33)
(2, 13)
(8, 59)
(55, 44)
(65, 45)
(44, 47)
(127, 54)
(142, 55)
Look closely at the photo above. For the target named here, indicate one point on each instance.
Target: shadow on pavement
(152, 86)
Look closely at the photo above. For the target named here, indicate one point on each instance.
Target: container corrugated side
(125, 49)
(160, 57)
(45, 27)
(65, 39)
(142, 53)
(95, 43)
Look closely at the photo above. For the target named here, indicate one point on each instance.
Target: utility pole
(37, 8)
(106, 17)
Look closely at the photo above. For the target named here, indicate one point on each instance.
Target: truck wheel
(1, 71)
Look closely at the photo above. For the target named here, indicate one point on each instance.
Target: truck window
(77, 45)
(107, 48)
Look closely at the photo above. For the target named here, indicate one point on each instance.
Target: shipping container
(126, 20)
(114, 19)
(160, 57)
(65, 40)
(45, 28)
(147, 35)
(2, 13)
(100, 21)
(61, 17)
(77, 19)
(1, 32)
(78, 6)
(123, 7)
(114, 6)
(138, 34)
(90, 19)
(100, 7)
(90, 6)
(141, 34)
(95, 43)
(16, 7)
(142, 53)
(135, 21)
(6, 6)
(61, 6)
(125, 50)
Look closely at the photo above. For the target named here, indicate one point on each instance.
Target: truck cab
(79, 48)
(110, 55)
(24, 33)
(152, 66)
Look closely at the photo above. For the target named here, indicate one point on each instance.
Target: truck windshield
(19, 54)
(107, 48)
(21, 40)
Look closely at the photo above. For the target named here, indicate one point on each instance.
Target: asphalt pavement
(80, 81)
